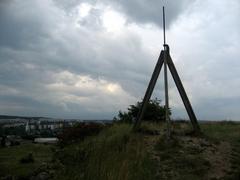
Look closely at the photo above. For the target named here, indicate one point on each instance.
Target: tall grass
(115, 154)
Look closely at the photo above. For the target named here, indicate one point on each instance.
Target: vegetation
(79, 132)
(118, 153)
(19, 131)
(154, 112)
(11, 159)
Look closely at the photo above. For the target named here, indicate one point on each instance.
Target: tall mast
(167, 118)
(164, 34)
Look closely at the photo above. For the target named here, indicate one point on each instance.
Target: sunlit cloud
(113, 21)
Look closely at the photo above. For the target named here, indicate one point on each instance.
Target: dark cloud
(55, 63)
(24, 28)
(145, 11)
(140, 11)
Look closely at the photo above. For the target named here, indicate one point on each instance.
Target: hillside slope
(117, 153)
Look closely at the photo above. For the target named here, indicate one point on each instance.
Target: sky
(88, 59)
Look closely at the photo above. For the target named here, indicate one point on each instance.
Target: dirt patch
(190, 157)
(220, 160)
(218, 155)
(150, 142)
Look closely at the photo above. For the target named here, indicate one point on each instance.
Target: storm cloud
(89, 59)
(142, 11)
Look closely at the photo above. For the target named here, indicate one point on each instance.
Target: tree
(154, 112)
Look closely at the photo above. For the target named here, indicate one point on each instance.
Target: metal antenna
(164, 34)
(167, 118)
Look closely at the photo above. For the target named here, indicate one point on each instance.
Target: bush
(154, 112)
(79, 132)
(27, 159)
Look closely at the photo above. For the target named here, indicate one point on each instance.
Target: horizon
(104, 119)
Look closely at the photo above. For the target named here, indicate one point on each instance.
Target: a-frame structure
(166, 59)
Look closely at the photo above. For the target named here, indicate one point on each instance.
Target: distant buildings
(12, 125)
(39, 127)
(44, 125)
(52, 140)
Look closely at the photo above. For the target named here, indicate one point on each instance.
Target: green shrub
(154, 112)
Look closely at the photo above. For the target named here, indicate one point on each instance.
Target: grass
(116, 153)
(228, 131)
(10, 159)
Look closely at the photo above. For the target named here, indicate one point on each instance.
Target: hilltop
(117, 153)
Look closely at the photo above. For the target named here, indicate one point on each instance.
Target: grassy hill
(118, 153)
(19, 117)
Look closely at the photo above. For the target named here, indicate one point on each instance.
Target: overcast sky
(89, 58)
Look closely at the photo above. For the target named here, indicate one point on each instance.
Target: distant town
(16, 129)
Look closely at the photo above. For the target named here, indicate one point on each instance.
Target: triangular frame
(165, 53)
